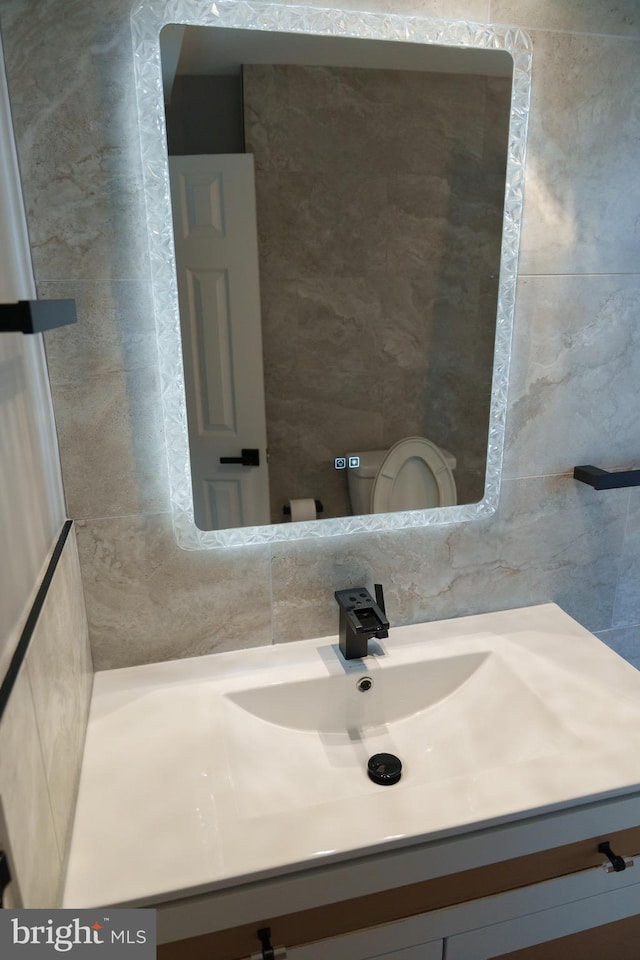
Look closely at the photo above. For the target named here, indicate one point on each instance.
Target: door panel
(214, 216)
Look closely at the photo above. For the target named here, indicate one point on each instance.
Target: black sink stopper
(384, 768)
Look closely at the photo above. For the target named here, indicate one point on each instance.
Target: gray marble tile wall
(379, 200)
(42, 736)
(576, 358)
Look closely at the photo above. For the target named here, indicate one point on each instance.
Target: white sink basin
(233, 767)
(444, 717)
(333, 703)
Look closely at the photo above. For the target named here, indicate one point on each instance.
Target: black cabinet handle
(616, 863)
(249, 458)
(264, 936)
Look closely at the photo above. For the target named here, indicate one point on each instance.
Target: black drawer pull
(264, 936)
(617, 864)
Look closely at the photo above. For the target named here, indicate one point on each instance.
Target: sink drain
(384, 768)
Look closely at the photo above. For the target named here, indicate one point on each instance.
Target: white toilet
(414, 474)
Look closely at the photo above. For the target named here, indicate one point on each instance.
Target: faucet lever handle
(384, 629)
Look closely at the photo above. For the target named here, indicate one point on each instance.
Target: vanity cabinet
(620, 940)
(366, 946)
(574, 929)
(494, 911)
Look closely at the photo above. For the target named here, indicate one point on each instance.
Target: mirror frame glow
(147, 20)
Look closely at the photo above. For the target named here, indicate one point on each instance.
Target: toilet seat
(414, 475)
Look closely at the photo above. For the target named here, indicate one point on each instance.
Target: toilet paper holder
(319, 508)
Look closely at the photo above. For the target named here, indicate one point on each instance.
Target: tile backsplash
(576, 362)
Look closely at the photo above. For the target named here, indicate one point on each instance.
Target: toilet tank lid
(371, 461)
(449, 457)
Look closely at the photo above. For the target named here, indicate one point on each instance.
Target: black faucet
(361, 617)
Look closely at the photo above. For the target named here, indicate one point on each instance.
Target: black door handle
(249, 458)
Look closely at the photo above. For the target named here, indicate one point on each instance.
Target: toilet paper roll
(303, 510)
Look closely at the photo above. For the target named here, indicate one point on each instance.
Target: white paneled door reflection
(214, 221)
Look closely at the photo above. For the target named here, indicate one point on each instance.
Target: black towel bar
(36, 316)
(604, 480)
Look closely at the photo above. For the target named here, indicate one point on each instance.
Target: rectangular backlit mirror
(334, 210)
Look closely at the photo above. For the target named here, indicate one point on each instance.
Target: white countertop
(182, 791)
